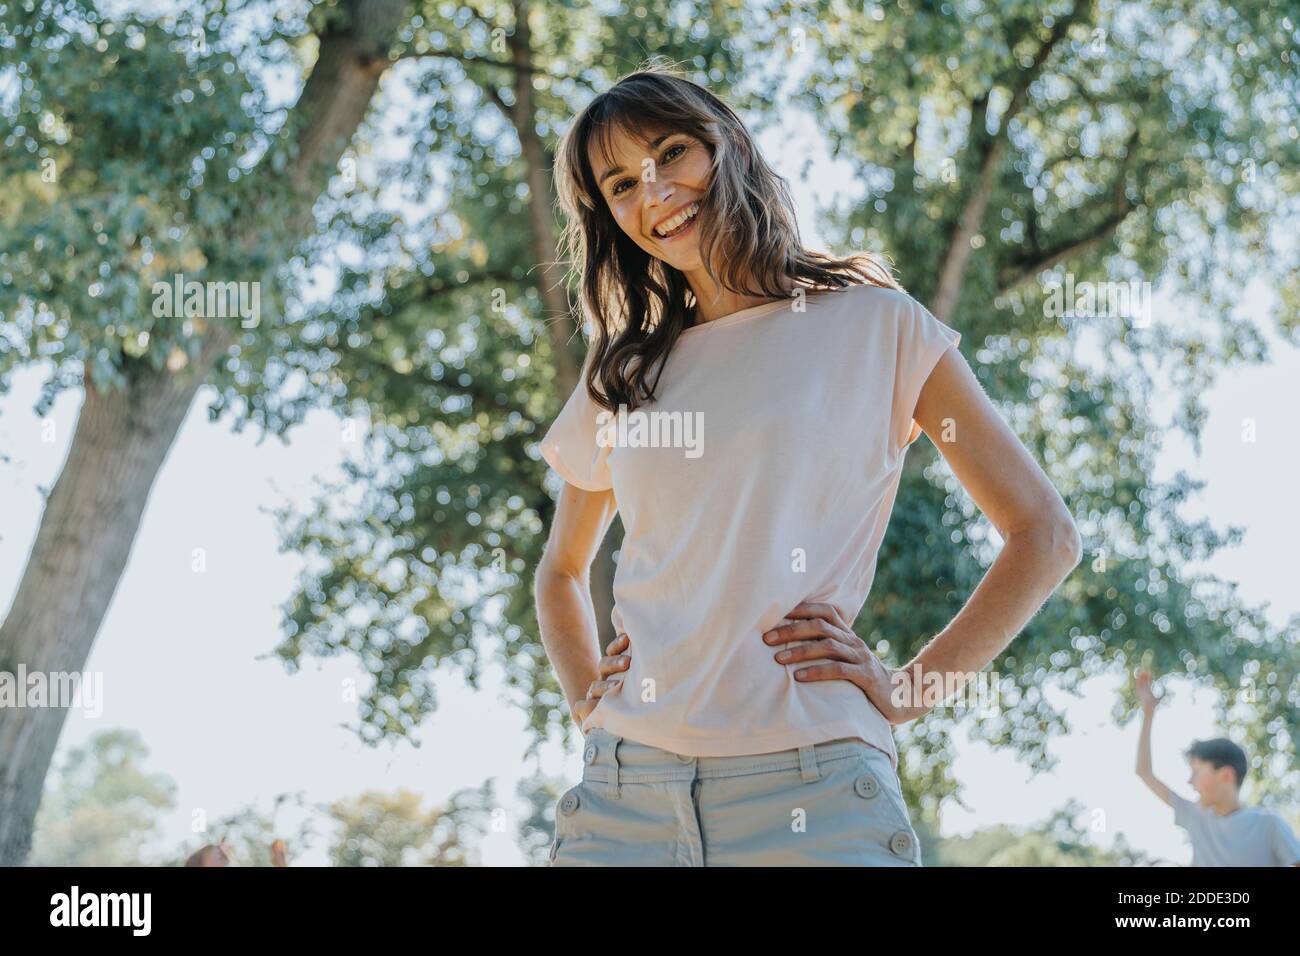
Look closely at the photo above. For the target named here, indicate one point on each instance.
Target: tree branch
(1025, 267)
(353, 55)
(526, 66)
(990, 147)
(1047, 258)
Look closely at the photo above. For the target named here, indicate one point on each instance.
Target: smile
(679, 223)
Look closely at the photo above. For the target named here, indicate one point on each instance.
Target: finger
(834, 671)
(827, 612)
(615, 664)
(618, 644)
(599, 687)
(798, 631)
(825, 649)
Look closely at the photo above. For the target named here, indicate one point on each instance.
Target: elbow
(1056, 540)
(1069, 544)
(552, 568)
(1066, 543)
(545, 575)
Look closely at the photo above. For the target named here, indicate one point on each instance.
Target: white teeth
(686, 214)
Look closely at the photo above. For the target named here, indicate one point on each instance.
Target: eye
(618, 186)
(669, 155)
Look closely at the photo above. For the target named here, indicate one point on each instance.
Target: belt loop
(808, 763)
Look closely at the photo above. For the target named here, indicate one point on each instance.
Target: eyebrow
(654, 144)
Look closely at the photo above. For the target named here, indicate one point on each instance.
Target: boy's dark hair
(1220, 752)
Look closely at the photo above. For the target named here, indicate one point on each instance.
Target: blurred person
(1223, 831)
(213, 854)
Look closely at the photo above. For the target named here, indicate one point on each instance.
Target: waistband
(611, 759)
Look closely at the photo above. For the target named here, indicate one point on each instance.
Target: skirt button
(569, 803)
(901, 843)
(866, 786)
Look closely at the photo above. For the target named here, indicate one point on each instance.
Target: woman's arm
(1041, 546)
(562, 589)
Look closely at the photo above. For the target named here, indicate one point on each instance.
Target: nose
(658, 194)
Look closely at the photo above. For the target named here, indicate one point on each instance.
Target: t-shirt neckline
(731, 318)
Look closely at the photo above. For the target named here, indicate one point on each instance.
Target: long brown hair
(638, 304)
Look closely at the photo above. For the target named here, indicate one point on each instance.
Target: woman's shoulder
(880, 295)
(880, 306)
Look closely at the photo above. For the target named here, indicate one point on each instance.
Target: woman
(766, 396)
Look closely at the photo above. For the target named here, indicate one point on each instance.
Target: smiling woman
(675, 219)
(745, 563)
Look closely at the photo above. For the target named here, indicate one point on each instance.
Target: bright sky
(181, 651)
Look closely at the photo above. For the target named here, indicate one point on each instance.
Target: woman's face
(653, 186)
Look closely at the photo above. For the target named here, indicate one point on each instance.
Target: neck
(713, 302)
(1226, 805)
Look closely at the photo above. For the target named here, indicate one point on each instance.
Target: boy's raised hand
(1146, 695)
(1147, 698)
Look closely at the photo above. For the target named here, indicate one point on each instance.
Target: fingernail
(783, 656)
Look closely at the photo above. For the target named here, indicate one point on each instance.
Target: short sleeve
(573, 444)
(1183, 810)
(1286, 847)
(922, 340)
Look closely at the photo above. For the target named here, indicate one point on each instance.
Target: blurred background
(296, 552)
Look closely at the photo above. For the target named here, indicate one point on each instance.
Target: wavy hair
(638, 304)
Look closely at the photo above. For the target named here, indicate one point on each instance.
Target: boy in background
(1223, 831)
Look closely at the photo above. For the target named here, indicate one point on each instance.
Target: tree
(102, 808)
(135, 150)
(537, 831)
(378, 829)
(1060, 841)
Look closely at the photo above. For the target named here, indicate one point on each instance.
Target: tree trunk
(81, 549)
(952, 274)
(92, 515)
(553, 287)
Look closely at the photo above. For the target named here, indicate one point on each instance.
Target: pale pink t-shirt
(771, 486)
